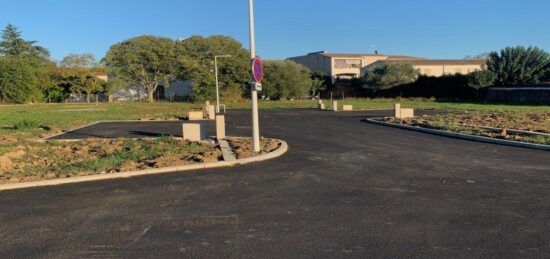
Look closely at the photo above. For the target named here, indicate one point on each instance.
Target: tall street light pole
(254, 92)
(217, 83)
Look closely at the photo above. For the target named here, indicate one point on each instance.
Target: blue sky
(285, 28)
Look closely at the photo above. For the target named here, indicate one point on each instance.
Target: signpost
(255, 85)
(257, 73)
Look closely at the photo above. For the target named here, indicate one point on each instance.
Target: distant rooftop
(435, 62)
(358, 55)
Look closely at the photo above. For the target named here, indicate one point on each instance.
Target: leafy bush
(319, 83)
(232, 93)
(519, 65)
(481, 79)
(286, 79)
(388, 75)
(447, 86)
(18, 80)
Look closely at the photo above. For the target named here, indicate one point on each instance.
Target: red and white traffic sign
(257, 70)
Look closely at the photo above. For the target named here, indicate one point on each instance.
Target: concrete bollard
(406, 113)
(347, 108)
(335, 106)
(193, 131)
(195, 116)
(321, 105)
(211, 112)
(220, 127)
(397, 110)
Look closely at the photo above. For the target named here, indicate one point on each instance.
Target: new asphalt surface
(345, 189)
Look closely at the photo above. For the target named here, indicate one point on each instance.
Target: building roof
(438, 62)
(358, 55)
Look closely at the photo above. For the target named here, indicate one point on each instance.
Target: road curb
(283, 148)
(463, 136)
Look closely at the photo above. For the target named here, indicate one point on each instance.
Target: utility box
(335, 106)
(195, 115)
(347, 108)
(220, 127)
(193, 132)
(406, 113)
(402, 113)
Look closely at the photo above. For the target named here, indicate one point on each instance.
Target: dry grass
(461, 122)
(38, 161)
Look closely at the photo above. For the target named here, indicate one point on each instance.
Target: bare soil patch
(33, 161)
(470, 123)
(244, 148)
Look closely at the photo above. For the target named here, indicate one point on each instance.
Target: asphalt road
(345, 189)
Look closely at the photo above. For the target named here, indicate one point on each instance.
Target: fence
(519, 95)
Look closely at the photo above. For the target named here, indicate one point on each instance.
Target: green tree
(18, 80)
(519, 65)
(144, 60)
(481, 79)
(34, 58)
(13, 45)
(195, 59)
(388, 75)
(286, 79)
(82, 81)
(86, 60)
(319, 83)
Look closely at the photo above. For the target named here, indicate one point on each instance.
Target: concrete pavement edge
(463, 136)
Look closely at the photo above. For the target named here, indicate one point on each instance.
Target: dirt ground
(33, 161)
(462, 122)
(243, 147)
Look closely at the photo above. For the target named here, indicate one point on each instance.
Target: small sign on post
(257, 74)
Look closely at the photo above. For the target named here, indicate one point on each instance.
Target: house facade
(439, 67)
(348, 66)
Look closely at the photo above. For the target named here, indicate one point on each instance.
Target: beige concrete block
(406, 113)
(347, 108)
(211, 112)
(321, 105)
(194, 131)
(195, 115)
(220, 127)
(397, 110)
(335, 106)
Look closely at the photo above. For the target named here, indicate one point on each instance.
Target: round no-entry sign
(257, 70)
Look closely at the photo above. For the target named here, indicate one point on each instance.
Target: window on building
(340, 63)
(347, 63)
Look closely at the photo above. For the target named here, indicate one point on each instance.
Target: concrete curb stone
(463, 136)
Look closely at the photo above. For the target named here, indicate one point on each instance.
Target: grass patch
(40, 119)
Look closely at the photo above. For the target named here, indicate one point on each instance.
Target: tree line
(512, 66)
(27, 73)
(151, 61)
